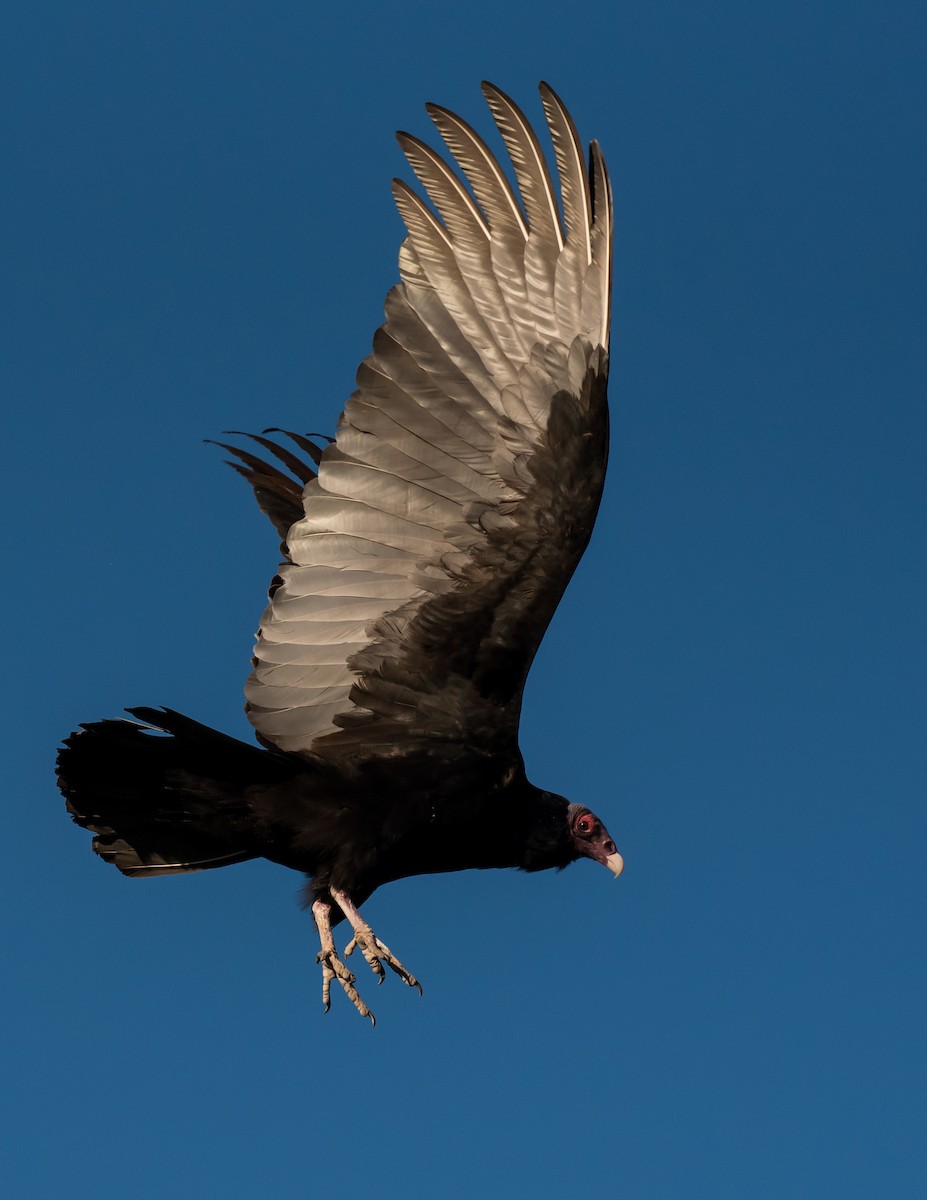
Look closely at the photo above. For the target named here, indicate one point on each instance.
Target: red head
(592, 840)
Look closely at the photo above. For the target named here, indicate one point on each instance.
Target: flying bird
(426, 548)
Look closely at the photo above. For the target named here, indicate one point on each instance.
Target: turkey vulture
(426, 548)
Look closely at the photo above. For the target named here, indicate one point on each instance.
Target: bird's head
(592, 840)
(558, 833)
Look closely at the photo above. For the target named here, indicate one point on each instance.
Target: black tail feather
(166, 796)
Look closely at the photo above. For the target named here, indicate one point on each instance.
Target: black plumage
(426, 549)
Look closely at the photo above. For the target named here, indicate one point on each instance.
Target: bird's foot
(334, 968)
(373, 950)
(377, 953)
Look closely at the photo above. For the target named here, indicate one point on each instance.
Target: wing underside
(429, 552)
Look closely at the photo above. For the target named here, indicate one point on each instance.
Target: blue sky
(198, 236)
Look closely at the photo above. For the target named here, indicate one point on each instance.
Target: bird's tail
(167, 795)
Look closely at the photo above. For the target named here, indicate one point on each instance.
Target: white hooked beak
(615, 863)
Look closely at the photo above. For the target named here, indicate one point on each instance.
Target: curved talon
(375, 952)
(334, 968)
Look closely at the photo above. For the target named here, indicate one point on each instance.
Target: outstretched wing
(446, 519)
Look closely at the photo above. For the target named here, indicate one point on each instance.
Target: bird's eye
(586, 823)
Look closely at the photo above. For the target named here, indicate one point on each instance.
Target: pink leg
(332, 966)
(374, 951)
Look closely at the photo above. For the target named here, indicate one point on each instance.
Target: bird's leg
(332, 966)
(375, 951)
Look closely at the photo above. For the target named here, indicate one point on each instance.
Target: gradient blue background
(198, 236)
